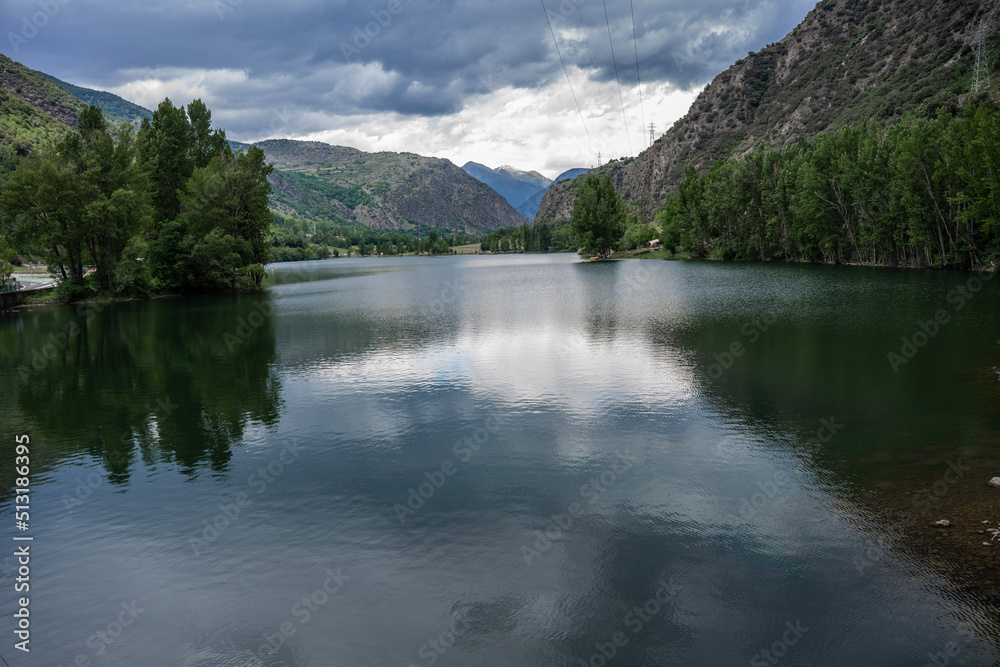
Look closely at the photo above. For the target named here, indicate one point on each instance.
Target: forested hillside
(313, 181)
(115, 109)
(917, 193)
(849, 61)
(167, 208)
(392, 191)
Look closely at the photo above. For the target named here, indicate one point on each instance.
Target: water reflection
(588, 385)
(173, 380)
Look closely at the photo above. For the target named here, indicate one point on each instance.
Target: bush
(69, 290)
(132, 275)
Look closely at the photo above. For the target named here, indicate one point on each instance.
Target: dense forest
(919, 193)
(557, 237)
(120, 212)
(296, 240)
(171, 207)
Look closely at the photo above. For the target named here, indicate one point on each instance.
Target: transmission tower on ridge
(652, 127)
(981, 75)
(598, 158)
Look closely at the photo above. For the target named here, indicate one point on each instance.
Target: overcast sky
(462, 79)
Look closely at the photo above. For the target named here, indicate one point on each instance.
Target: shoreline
(49, 298)
(660, 253)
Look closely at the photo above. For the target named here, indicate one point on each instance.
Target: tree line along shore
(170, 207)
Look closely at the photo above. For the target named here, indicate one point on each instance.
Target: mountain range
(114, 108)
(317, 181)
(847, 62)
(523, 190)
(311, 180)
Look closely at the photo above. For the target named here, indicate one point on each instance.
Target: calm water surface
(517, 460)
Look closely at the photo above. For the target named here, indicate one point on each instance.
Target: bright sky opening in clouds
(465, 80)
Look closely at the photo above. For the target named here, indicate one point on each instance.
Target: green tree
(166, 150)
(6, 256)
(41, 204)
(132, 274)
(224, 226)
(206, 143)
(82, 201)
(598, 215)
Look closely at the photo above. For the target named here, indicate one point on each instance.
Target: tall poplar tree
(598, 215)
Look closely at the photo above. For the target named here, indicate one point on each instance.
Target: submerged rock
(995, 481)
(944, 523)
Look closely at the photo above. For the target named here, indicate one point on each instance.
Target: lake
(513, 460)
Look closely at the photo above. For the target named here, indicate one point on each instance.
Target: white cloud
(148, 87)
(531, 129)
(536, 129)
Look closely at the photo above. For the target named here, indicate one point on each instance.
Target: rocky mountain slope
(848, 62)
(512, 184)
(317, 181)
(38, 91)
(33, 110)
(524, 190)
(313, 181)
(36, 108)
(529, 207)
(116, 109)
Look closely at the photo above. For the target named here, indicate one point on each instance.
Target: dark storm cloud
(433, 55)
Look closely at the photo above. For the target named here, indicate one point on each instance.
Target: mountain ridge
(311, 181)
(529, 207)
(115, 108)
(383, 190)
(847, 62)
(514, 185)
(523, 190)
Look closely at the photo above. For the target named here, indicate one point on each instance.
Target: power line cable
(615, 62)
(635, 42)
(565, 71)
(583, 27)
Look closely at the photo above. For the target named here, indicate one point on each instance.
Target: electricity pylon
(981, 74)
